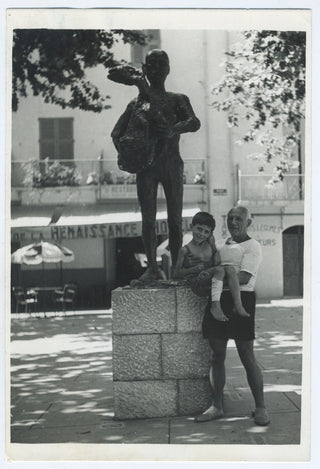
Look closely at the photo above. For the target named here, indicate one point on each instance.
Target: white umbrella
(43, 251)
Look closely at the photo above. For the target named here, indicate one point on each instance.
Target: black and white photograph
(158, 235)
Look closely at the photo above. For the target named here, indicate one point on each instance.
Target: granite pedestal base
(160, 360)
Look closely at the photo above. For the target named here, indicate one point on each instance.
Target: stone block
(144, 311)
(185, 355)
(136, 357)
(190, 310)
(194, 396)
(145, 399)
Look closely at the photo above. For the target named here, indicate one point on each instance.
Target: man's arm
(244, 277)
(121, 125)
(250, 263)
(188, 121)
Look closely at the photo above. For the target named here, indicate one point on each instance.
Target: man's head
(156, 66)
(238, 221)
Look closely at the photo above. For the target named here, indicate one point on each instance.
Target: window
(153, 41)
(56, 138)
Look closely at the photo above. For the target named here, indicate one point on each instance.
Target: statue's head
(156, 66)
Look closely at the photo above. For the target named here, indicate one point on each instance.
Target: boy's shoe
(210, 414)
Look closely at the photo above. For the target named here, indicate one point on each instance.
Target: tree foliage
(264, 85)
(52, 64)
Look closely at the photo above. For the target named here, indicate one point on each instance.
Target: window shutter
(47, 146)
(47, 129)
(56, 138)
(47, 150)
(65, 150)
(65, 138)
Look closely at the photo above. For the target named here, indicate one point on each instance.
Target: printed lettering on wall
(266, 242)
(112, 230)
(262, 231)
(264, 227)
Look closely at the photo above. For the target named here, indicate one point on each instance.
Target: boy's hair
(204, 218)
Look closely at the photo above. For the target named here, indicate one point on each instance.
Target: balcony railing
(55, 173)
(42, 182)
(259, 187)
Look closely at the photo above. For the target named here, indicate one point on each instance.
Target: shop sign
(220, 192)
(104, 230)
(114, 191)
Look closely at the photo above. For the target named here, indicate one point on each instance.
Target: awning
(75, 222)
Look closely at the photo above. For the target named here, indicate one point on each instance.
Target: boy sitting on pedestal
(200, 263)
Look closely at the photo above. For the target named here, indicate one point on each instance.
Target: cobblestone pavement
(61, 377)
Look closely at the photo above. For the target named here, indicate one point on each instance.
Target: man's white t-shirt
(245, 256)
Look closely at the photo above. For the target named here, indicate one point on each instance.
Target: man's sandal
(210, 414)
(261, 416)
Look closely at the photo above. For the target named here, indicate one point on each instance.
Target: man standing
(177, 117)
(245, 254)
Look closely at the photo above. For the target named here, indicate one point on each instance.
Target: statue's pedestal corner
(161, 361)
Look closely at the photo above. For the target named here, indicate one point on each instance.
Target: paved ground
(62, 385)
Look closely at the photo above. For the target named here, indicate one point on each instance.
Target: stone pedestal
(160, 360)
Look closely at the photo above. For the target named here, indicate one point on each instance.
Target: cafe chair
(65, 297)
(27, 299)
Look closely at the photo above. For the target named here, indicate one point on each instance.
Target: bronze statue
(146, 137)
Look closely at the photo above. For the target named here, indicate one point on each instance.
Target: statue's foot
(152, 274)
(149, 277)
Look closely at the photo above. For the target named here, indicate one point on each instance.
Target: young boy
(199, 262)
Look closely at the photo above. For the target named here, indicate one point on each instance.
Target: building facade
(95, 211)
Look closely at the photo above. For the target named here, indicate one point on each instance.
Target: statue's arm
(122, 124)
(188, 121)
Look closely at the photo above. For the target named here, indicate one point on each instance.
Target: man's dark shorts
(237, 327)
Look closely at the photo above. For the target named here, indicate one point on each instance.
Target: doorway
(292, 245)
(127, 266)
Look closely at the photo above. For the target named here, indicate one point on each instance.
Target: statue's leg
(147, 186)
(172, 181)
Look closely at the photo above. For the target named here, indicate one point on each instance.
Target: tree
(264, 84)
(52, 64)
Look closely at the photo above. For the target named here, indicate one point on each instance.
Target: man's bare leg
(217, 380)
(234, 286)
(255, 379)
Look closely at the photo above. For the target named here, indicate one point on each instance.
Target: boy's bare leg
(234, 286)
(216, 290)
(217, 312)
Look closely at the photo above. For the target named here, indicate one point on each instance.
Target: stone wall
(160, 359)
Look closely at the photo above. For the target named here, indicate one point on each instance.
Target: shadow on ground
(61, 372)
(61, 386)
